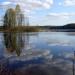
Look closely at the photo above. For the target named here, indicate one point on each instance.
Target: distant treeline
(67, 26)
(38, 28)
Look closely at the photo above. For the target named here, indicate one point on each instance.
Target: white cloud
(61, 15)
(5, 5)
(2, 4)
(29, 7)
(48, 3)
(34, 4)
(69, 2)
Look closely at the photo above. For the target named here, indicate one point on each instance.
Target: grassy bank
(21, 29)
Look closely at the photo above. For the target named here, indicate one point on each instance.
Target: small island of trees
(14, 20)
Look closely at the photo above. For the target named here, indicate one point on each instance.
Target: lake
(37, 53)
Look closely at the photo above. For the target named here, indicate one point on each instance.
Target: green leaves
(13, 18)
(9, 18)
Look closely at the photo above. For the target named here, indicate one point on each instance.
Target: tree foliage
(19, 16)
(13, 17)
(9, 18)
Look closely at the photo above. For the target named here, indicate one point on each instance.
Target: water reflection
(14, 42)
(58, 60)
(70, 33)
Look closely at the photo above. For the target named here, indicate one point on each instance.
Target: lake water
(52, 50)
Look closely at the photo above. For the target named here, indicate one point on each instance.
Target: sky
(43, 12)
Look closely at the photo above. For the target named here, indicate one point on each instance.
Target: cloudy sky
(43, 12)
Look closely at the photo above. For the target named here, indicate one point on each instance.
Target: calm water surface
(49, 48)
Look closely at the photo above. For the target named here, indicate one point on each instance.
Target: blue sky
(43, 12)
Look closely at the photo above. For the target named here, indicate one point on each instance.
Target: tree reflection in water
(13, 42)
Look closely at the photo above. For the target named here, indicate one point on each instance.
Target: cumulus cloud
(5, 5)
(61, 15)
(69, 2)
(48, 3)
(33, 4)
(29, 7)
